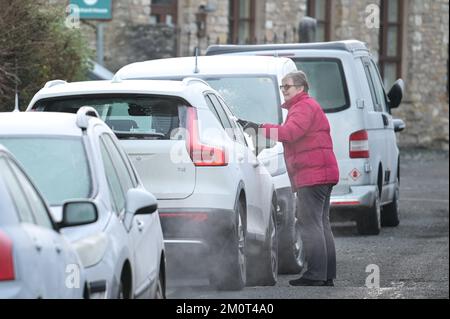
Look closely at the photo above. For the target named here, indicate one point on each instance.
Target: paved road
(412, 258)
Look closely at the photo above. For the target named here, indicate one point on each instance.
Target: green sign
(94, 9)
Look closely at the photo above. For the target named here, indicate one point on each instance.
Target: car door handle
(140, 224)
(58, 248)
(385, 120)
(240, 158)
(256, 164)
(37, 244)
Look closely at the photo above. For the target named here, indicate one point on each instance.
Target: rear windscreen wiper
(138, 135)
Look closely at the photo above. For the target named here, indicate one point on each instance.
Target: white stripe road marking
(425, 200)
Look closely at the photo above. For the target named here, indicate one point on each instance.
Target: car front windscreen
(57, 165)
(250, 97)
(254, 98)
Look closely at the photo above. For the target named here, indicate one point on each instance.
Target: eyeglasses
(286, 87)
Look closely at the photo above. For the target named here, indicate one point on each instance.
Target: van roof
(347, 45)
(206, 65)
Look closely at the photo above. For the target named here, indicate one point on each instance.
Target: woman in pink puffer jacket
(313, 170)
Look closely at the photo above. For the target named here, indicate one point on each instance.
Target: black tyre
(291, 257)
(368, 223)
(389, 213)
(160, 292)
(229, 271)
(123, 291)
(264, 271)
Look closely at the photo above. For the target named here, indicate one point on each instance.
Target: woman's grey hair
(299, 78)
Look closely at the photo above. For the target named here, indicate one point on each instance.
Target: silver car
(77, 156)
(36, 260)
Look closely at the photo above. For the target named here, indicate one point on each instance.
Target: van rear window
(326, 82)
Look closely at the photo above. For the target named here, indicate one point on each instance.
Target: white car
(250, 86)
(216, 202)
(36, 260)
(71, 157)
(345, 80)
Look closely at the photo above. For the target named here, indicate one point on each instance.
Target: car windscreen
(129, 116)
(254, 98)
(57, 165)
(250, 97)
(326, 82)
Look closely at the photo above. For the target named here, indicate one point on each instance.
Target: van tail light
(201, 154)
(359, 144)
(6, 258)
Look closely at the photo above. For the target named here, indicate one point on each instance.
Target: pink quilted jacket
(308, 148)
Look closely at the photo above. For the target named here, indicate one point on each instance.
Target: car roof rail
(189, 80)
(52, 83)
(83, 116)
(346, 45)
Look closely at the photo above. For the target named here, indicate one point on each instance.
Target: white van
(250, 86)
(344, 79)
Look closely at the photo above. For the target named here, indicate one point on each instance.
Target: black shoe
(329, 283)
(306, 282)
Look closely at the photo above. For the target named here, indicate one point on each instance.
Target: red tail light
(359, 144)
(201, 154)
(6, 258)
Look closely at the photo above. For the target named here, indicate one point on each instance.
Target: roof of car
(117, 86)
(347, 45)
(108, 86)
(220, 65)
(39, 123)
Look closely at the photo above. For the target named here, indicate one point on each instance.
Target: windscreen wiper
(124, 135)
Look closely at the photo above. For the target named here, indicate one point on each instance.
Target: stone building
(408, 38)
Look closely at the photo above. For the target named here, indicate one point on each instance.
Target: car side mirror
(399, 125)
(395, 95)
(140, 202)
(76, 213)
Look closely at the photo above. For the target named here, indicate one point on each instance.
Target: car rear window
(128, 116)
(326, 82)
(57, 165)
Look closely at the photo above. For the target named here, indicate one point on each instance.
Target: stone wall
(216, 25)
(272, 17)
(129, 37)
(143, 42)
(126, 14)
(425, 110)
(349, 22)
(282, 20)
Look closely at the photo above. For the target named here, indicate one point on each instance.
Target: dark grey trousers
(313, 213)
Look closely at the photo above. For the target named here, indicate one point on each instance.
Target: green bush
(35, 47)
